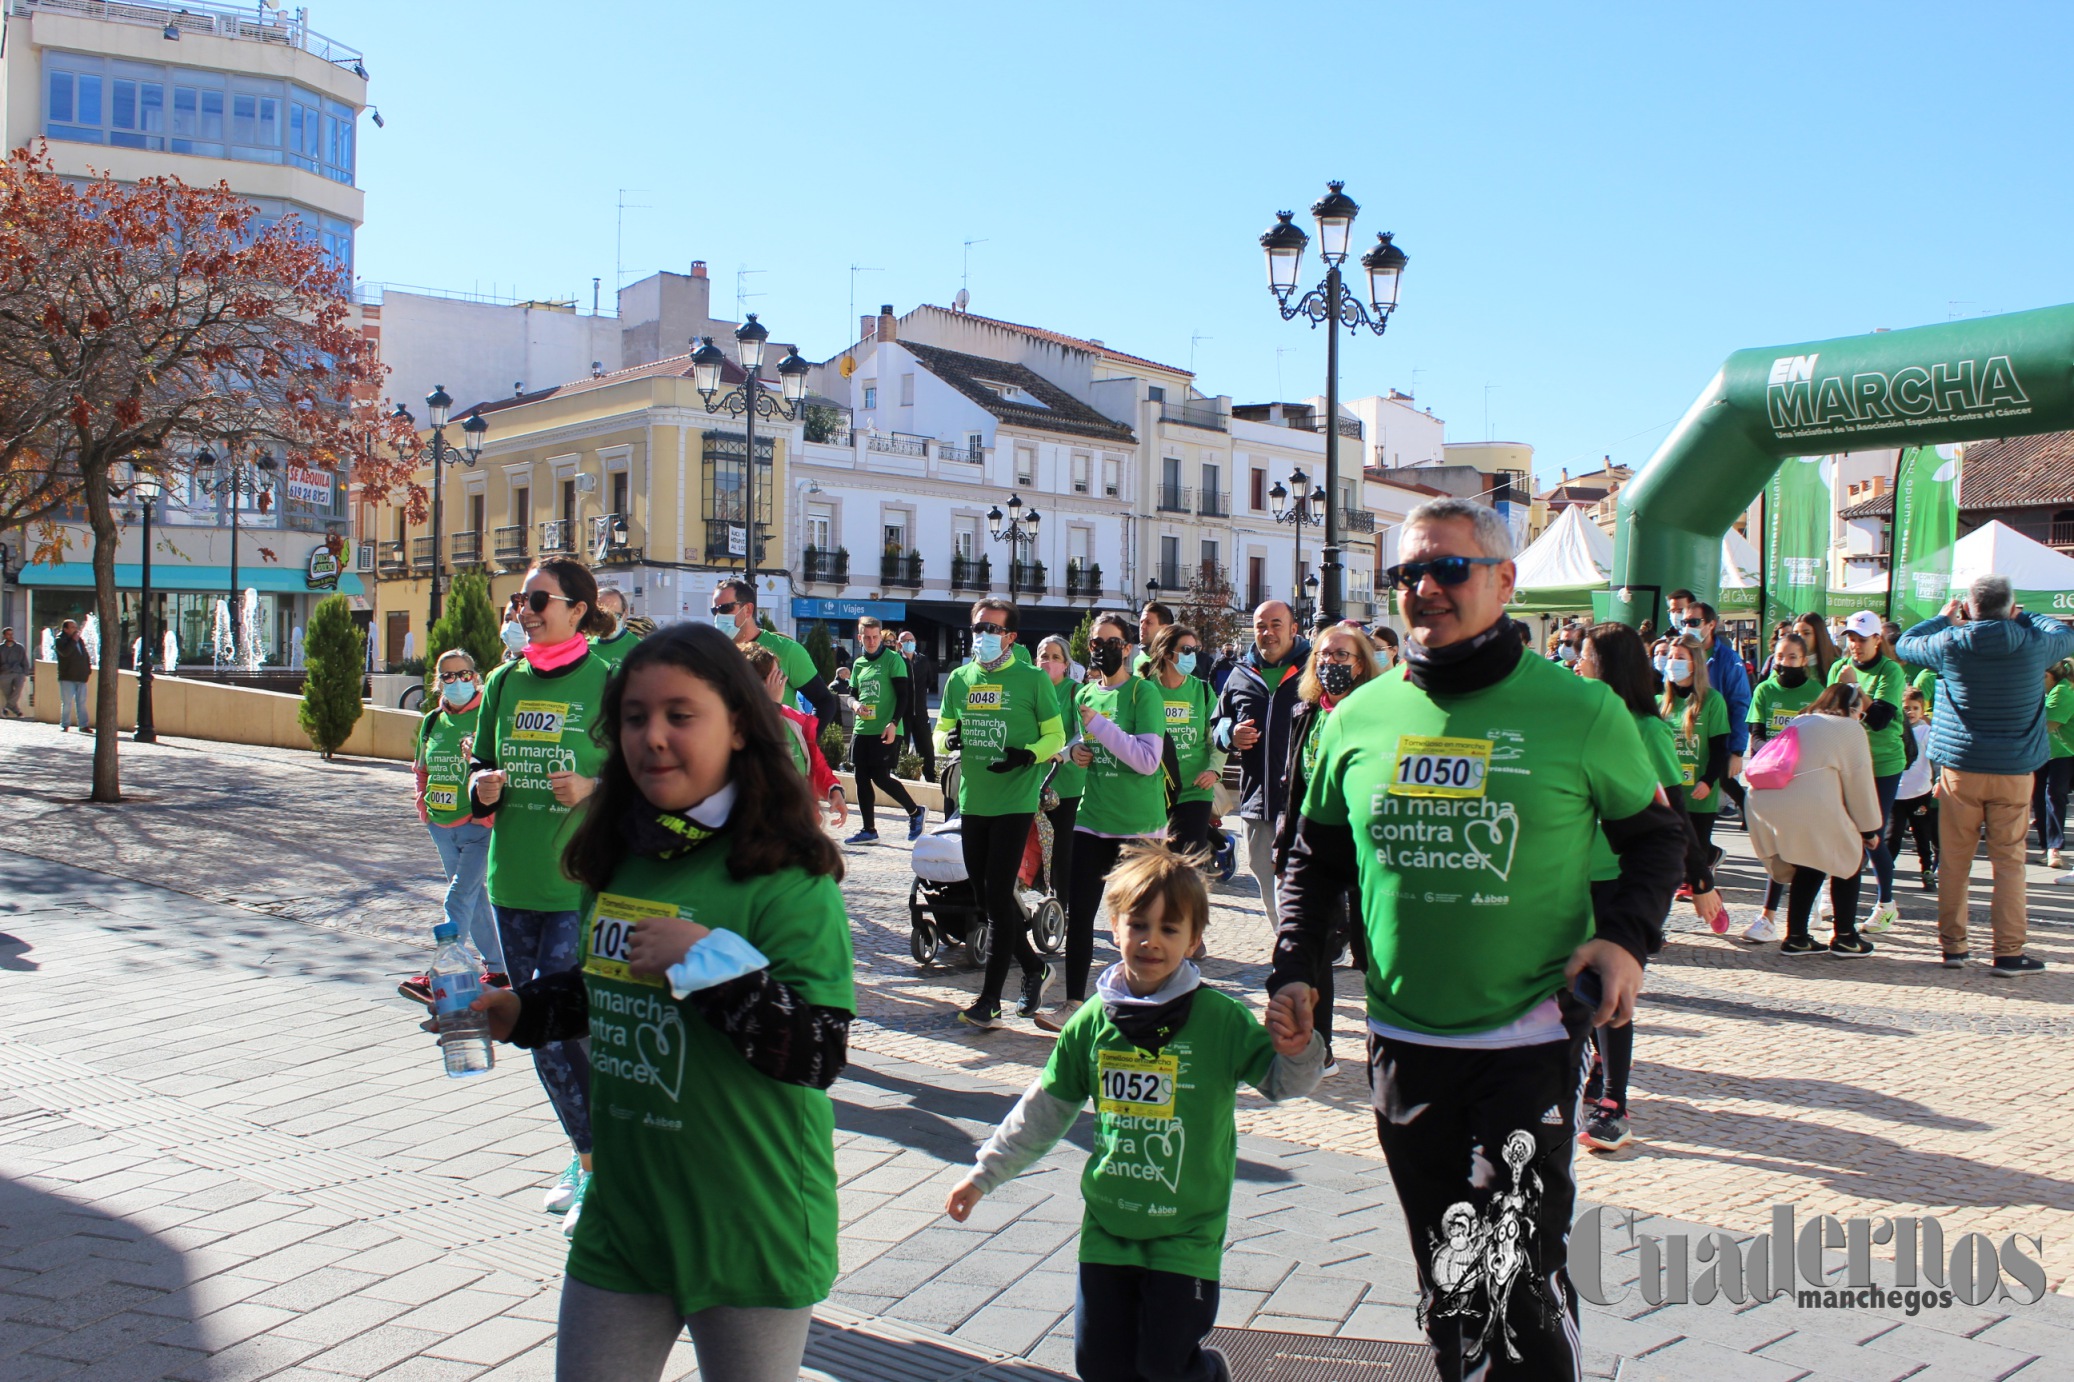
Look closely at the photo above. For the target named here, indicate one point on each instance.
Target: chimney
(698, 268)
(867, 326)
(886, 331)
(1566, 476)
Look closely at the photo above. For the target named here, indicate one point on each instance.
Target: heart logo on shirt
(660, 1046)
(1492, 839)
(1163, 1154)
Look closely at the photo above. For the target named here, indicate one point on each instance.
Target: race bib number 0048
(1441, 767)
(1135, 1085)
(539, 722)
(611, 927)
(982, 698)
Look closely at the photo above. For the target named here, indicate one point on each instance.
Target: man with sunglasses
(1460, 802)
(734, 610)
(1253, 716)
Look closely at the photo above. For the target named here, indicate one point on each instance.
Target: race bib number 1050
(1441, 767)
(539, 722)
(611, 926)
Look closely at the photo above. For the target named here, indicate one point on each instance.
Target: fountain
(253, 647)
(47, 646)
(222, 648)
(295, 649)
(90, 635)
(171, 665)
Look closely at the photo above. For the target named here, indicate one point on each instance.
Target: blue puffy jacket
(1990, 715)
(1727, 674)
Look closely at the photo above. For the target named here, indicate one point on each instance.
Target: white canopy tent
(1564, 566)
(2042, 576)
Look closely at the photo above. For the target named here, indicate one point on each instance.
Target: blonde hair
(1694, 703)
(1152, 870)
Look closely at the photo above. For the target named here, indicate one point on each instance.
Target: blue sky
(1599, 202)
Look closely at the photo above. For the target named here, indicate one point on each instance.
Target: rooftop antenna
(851, 323)
(1416, 371)
(1280, 351)
(619, 236)
(965, 279)
(1193, 337)
(742, 293)
(1487, 409)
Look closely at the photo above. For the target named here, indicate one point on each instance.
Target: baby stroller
(944, 905)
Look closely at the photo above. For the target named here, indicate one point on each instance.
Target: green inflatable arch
(2004, 376)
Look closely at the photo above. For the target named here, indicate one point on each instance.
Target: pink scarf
(549, 657)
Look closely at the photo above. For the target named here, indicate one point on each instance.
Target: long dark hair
(578, 583)
(1623, 664)
(771, 798)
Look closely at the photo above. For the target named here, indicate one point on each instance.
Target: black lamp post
(1015, 528)
(750, 401)
(145, 487)
(1309, 509)
(238, 478)
(1331, 306)
(473, 430)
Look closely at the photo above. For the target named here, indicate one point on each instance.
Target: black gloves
(954, 738)
(1011, 759)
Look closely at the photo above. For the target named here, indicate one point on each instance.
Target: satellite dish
(847, 368)
(962, 300)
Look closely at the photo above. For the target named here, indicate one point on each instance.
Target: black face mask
(1106, 660)
(1790, 677)
(1336, 677)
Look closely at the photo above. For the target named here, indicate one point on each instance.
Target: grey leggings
(613, 1336)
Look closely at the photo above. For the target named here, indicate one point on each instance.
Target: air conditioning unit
(1109, 490)
(1080, 487)
(363, 557)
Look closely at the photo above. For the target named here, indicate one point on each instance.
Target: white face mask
(1567, 652)
(1677, 670)
(514, 635)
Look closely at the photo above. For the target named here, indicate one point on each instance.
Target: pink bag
(1777, 762)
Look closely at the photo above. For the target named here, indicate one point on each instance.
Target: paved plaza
(227, 1151)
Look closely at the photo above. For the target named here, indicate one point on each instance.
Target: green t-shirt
(2059, 710)
(1660, 745)
(715, 1184)
(1069, 779)
(1011, 707)
(445, 762)
(795, 659)
(1119, 801)
(1926, 682)
(1692, 748)
(1158, 1185)
(530, 726)
(1475, 816)
(1772, 705)
(880, 686)
(1884, 682)
(615, 646)
(1190, 707)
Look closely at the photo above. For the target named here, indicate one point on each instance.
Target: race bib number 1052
(1134, 1084)
(1441, 767)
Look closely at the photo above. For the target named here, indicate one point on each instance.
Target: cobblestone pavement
(260, 1188)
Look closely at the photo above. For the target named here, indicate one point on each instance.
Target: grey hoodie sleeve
(1032, 1128)
(1289, 1076)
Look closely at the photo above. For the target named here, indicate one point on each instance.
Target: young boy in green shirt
(1162, 1056)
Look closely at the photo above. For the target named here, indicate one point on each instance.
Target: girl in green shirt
(440, 765)
(2049, 796)
(714, 985)
(1699, 717)
(1872, 666)
(1198, 763)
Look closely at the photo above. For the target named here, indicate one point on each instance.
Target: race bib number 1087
(1441, 767)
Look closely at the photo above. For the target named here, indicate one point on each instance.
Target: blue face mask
(986, 647)
(1185, 664)
(457, 693)
(1659, 661)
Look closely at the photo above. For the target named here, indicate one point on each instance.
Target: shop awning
(169, 576)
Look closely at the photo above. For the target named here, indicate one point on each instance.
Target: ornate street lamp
(1016, 528)
(751, 400)
(1306, 510)
(1332, 306)
(438, 406)
(145, 487)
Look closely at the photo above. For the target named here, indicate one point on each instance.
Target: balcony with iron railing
(1211, 575)
(1359, 521)
(467, 549)
(725, 541)
(388, 559)
(509, 544)
(965, 455)
(2061, 534)
(1256, 596)
(251, 23)
(1176, 499)
(422, 551)
(1171, 575)
(897, 444)
(901, 569)
(1213, 503)
(971, 573)
(1026, 578)
(1195, 413)
(828, 565)
(1083, 582)
(557, 535)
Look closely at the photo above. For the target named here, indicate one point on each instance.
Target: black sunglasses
(728, 608)
(457, 676)
(1444, 570)
(1107, 643)
(536, 600)
(1191, 648)
(983, 628)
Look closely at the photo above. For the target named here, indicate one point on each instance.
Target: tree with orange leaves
(141, 322)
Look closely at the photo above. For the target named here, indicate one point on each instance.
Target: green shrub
(910, 766)
(334, 652)
(469, 622)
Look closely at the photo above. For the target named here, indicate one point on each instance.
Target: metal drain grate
(1261, 1355)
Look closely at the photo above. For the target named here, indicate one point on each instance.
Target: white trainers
(1763, 931)
(563, 1195)
(575, 1210)
(1883, 917)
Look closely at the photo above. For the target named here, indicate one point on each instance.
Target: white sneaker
(1331, 1069)
(562, 1196)
(1883, 918)
(569, 1219)
(1763, 931)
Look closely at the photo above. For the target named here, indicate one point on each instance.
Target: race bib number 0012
(1135, 1085)
(1441, 767)
(611, 927)
(539, 722)
(442, 796)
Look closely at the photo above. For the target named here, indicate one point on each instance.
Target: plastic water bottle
(464, 1035)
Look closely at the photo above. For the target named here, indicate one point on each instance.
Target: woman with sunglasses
(1342, 659)
(1171, 661)
(1123, 719)
(440, 769)
(534, 763)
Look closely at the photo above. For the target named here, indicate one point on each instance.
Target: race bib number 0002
(539, 722)
(1441, 767)
(611, 927)
(1135, 1085)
